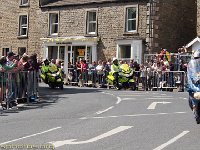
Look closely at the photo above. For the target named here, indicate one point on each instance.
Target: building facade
(96, 29)
(198, 18)
(20, 26)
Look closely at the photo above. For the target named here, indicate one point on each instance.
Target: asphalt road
(101, 119)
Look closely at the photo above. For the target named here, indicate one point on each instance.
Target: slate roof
(57, 3)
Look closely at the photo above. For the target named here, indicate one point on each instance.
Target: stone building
(174, 23)
(95, 29)
(198, 18)
(20, 27)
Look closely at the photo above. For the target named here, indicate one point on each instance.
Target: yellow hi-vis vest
(114, 68)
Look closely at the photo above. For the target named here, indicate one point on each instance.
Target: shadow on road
(48, 97)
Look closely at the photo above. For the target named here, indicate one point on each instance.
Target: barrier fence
(18, 87)
(147, 80)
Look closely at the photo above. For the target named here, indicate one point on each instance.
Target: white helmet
(196, 54)
(114, 58)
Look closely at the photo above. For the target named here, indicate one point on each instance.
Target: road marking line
(129, 95)
(163, 94)
(160, 98)
(100, 112)
(104, 135)
(118, 100)
(25, 137)
(126, 99)
(153, 105)
(136, 115)
(172, 140)
(108, 93)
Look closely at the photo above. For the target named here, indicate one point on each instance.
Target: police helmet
(114, 59)
(196, 54)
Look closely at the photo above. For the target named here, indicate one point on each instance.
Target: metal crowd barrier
(153, 80)
(18, 86)
(90, 77)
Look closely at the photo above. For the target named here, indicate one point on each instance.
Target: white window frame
(23, 3)
(51, 24)
(126, 19)
(23, 26)
(136, 49)
(91, 22)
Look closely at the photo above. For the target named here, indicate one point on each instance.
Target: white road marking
(155, 98)
(172, 140)
(127, 99)
(153, 105)
(136, 115)
(108, 93)
(163, 94)
(118, 100)
(25, 137)
(129, 95)
(107, 134)
(103, 111)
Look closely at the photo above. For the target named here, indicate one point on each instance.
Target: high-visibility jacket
(114, 68)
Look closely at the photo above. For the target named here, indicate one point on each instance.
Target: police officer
(115, 70)
(193, 74)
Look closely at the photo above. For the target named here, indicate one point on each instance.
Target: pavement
(101, 119)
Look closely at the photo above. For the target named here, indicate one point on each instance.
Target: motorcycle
(125, 78)
(53, 77)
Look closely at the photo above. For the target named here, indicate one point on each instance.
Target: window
(23, 25)
(53, 24)
(91, 22)
(24, 2)
(124, 51)
(131, 19)
(21, 51)
(5, 51)
(52, 52)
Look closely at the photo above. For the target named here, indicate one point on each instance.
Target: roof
(58, 3)
(197, 39)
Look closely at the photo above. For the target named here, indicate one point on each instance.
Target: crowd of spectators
(159, 63)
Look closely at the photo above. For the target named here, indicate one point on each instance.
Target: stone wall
(198, 17)
(175, 21)
(111, 19)
(9, 26)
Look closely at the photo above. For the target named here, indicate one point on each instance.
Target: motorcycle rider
(115, 70)
(193, 75)
(45, 70)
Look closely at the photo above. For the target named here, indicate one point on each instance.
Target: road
(101, 119)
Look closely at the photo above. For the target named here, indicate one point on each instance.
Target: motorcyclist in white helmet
(193, 74)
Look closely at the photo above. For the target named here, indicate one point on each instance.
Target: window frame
(126, 25)
(19, 50)
(21, 4)
(91, 22)
(4, 48)
(26, 26)
(50, 24)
